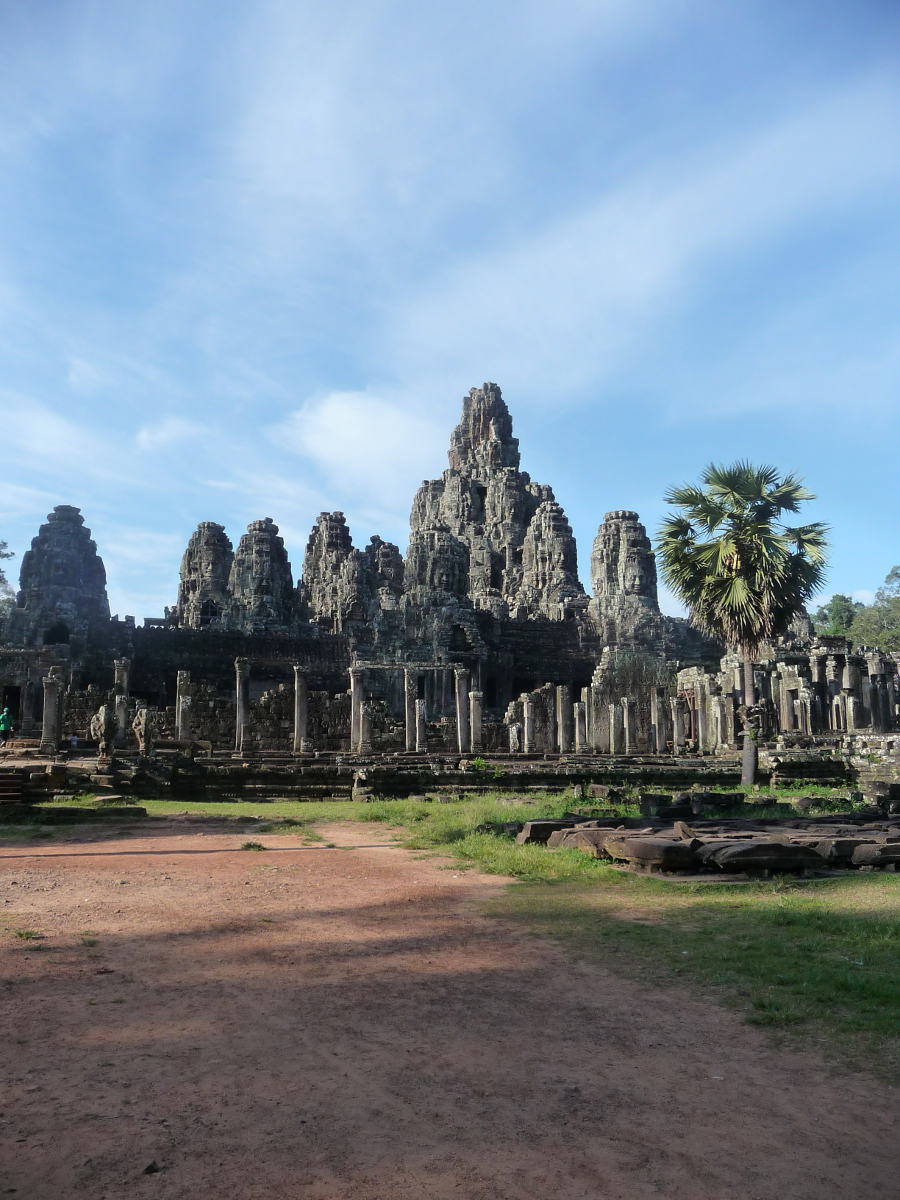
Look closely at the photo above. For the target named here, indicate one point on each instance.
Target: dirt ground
(342, 1023)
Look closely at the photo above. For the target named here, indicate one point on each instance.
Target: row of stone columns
(300, 739)
(590, 725)
(469, 714)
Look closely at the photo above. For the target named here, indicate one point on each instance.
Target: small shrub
(27, 935)
(253, 846)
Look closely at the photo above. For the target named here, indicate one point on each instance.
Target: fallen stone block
(539, 831)
(874, 854)
(591, 840)
(838, 851)
(716, 801)
(666, 854)
(805, 803)
(654, 804)
(604, 791)
(753, 855)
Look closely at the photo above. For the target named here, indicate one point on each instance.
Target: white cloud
(863, 595)
(561, 307)
(168, 432)
(365, 445)
(18, 501)
(87, 377)
(47, 439)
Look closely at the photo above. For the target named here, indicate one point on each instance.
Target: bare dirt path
(341, 1023)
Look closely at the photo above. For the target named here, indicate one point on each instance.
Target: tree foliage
(835, 618)
(878, 623)
(7, 595)
(4, 553)
(741, 571)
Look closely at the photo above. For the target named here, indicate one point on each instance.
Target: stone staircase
(12, 785)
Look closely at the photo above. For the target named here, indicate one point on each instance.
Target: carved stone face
(636, 578)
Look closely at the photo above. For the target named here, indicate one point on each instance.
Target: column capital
(242, 667)
(53, 679)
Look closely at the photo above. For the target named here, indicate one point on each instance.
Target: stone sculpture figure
(103, 729)
(143, 727)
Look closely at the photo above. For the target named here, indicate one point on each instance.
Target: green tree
(835, 618)
(742, 573)
(7, 595)
(878, 623)
(4, 553)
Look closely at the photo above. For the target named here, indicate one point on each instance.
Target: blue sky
(253, 254)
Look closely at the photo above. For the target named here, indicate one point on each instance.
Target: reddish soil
(342, 1023)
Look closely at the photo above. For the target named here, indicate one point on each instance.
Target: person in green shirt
(5, 726)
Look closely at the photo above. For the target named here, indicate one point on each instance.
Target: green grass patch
(819, 958)
(252, 846)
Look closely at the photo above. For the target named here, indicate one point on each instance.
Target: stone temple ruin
(480, 641)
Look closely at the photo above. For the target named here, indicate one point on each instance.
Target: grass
(252, 846)
(818, 959)
(27, 935)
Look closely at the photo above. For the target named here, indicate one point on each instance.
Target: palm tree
(741, 572)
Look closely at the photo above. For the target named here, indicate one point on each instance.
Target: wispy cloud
(167, 432)
(363, 444)
(565, 306)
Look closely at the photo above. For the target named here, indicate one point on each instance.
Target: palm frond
(750, 575)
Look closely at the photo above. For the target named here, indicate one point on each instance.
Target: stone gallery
(481, 640)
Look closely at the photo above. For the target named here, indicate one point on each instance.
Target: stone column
(564, 717)
(121, 667)
(356, 699)
(462, 710)
(529, 726)
(833, 687)
(301, 711)
(601, 727)
(121, 707)
(588, 715)
(597, 723)
(580, 719)
(182, 706)
(421, 728)
(616, 729)
(661, 719)
(242, 702)
(628, 724)
(410, 693)
(884, 713)
(27, 718)
(50, 725)
(676, 710)
(552, 741)
(656, 708)
(365, 728)
(701, 717)
(475, 721)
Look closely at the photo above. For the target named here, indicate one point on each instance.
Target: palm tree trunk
(750, 752)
